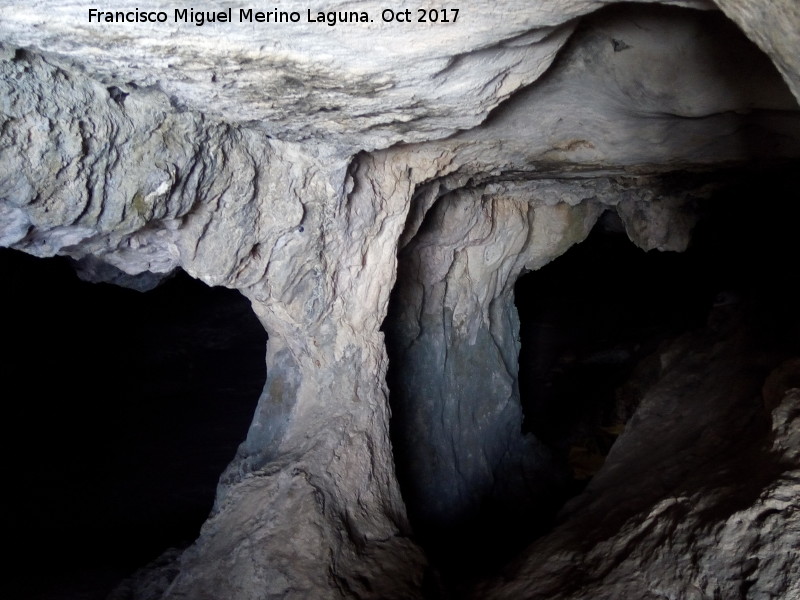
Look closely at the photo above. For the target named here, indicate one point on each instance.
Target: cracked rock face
(316, 169)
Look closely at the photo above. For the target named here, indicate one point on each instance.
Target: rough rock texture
(452, 324)
(453, 340)
(454, 346)
(153, 189)
(699, 499)
(363, 85)
(294, 162)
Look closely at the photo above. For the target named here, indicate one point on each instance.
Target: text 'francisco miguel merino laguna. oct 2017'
(199, 18)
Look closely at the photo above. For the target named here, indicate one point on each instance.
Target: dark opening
(592, 317)
(586, 319)
(122, 409)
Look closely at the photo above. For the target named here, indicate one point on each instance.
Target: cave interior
(129, 403)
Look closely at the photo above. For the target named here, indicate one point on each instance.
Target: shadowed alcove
(595, 314)
(586, 320)
(122, 409)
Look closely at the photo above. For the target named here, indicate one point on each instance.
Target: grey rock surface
(362, 85)
(297, 163)
(698, 497)
(453, 340)
(453, 336)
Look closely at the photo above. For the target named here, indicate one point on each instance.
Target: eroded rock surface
(698, 497)
(453, 339)
(296, 164)
(362, 85)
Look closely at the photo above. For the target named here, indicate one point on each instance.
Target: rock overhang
(358, 86)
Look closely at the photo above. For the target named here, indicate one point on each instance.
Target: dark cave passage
(586, 320)
(590, 319)
(122, 409)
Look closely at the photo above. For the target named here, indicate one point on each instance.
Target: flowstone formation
(316, 169)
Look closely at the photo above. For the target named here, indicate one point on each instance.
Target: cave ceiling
(354, 86)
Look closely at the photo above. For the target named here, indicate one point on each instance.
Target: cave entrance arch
(125, 407)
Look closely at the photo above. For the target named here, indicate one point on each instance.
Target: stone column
(453, 340)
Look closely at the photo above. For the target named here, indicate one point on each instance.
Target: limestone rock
(782, 380)
(453, 341)
(698, 498)
(95, 270)
(313, 167)
(364, 85)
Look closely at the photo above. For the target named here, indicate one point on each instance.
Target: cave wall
(698, 496)
(311, 169)
(453, 341)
